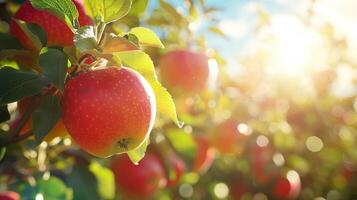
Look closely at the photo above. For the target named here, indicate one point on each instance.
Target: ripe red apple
(184, 71)
(204, 156)
(9, 195)
(138, 181)
(108, 111)
(178, 167)
(58, 33)
(286, 189)
(262, 167)
(226, 137)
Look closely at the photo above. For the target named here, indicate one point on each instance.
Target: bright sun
(295, 48)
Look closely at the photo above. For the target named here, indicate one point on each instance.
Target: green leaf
(112, 43)
(107, 10)
(182, 142)
(15, 84)
(138, 7)
(217, 31)
(65, 10)
(141, 62)
(139, 153)
(45, 117)
(175, 16)
(4, 113)
(53, 189)
(84, 183)
(54, 65)
(39, 32)
(32, 36)
(2, 152)
(8, 41)
(146, 37)
(105, 178)
(85, 39)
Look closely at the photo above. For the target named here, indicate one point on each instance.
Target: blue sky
(231, 10)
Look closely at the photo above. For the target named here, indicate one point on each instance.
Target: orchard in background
(155, 99)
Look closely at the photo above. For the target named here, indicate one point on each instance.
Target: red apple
(9, 195)
(108, 111)
(178, 167)
(226, 137)
(138, 181)
(58, 33)
(204, 155)
(184, 71)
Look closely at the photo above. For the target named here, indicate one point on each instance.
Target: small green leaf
(16, 84)
(2, 152)
(35, 40)
(54, 65)
(138, 7)
(8, 41)
(146, 37)
(4, 113)
(175, 16)
(112, 43)
(217, 31)
(45, 117)
(54, 188)
(107, 10)
(85, 39)
(141, 62)
(39, 32)
(65, 10)
(105, 178)
(84, 183)
(139, 153)
(182, 142)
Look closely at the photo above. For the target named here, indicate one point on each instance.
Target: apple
(138, 181)
(225, 137)
(178, 167)
(204, 155)
(287, 189)
(184, 71)
(108, 111)
(9, 195)
(58, 33)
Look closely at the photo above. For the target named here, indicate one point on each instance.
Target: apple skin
(226, 137)
(204, 156)
(183, 71)
(108, 111)
(58, 33)
(138, 181)
(178, 167)
(9, 195)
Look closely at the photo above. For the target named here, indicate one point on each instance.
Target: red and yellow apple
(9, 195)
(108, 111)
(138, 181)
(184, 71)
(225, 137)
(58, 33)
(204, 155)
